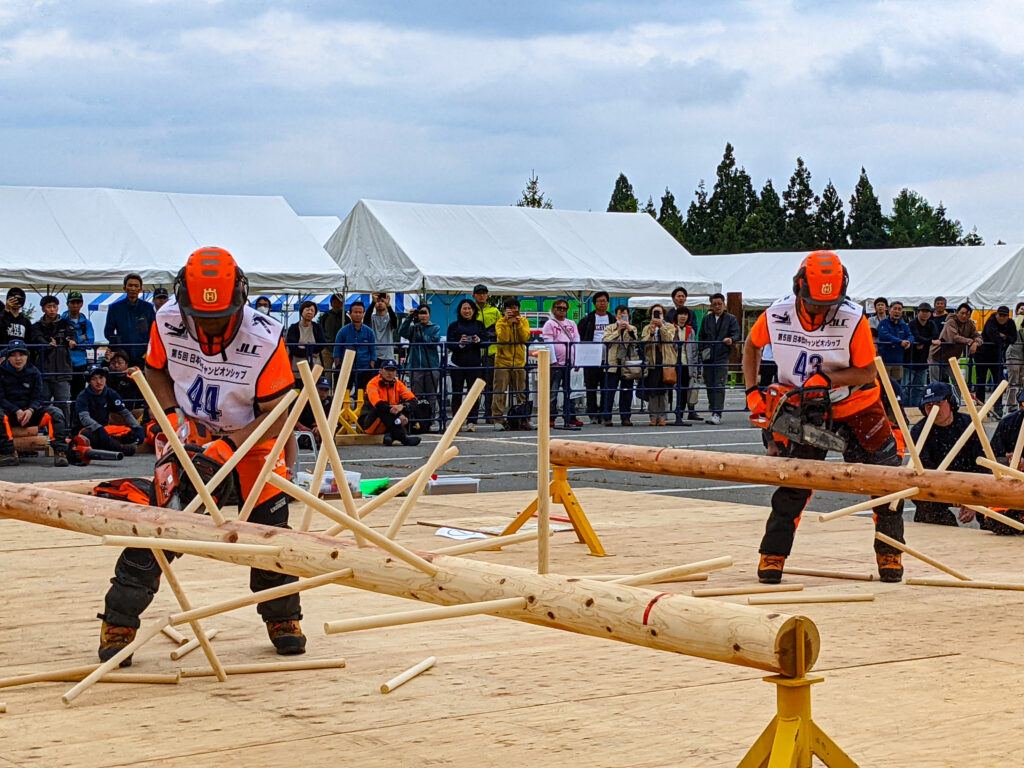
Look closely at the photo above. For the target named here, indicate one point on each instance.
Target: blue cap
(93, 369)
(936, 392)
(389, 364)
(17, 345)
(323, 383)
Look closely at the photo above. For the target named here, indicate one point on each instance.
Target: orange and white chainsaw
(800, 414)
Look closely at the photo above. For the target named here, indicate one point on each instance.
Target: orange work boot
(112, 639)
(769, 569)
(287, 637)
(890, 567)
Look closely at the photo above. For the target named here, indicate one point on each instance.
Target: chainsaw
(81, 452)
(800, 414)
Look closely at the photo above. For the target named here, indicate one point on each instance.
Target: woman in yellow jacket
(658, 339)
(513, 334)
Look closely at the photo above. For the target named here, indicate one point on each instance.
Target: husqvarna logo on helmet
(210, 295)
(826, 289)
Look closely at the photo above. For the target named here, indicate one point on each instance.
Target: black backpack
(519, 416)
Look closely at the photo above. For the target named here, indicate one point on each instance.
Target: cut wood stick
(403, 554)
(750, 589)
(341, 394)
(966, 584)
(468, 404)
(668, 580)
(424, 614)
(270, 666)
(1018, 447)
(258, 597)
(191, 645)
(496, 543)
(929, 422)
(659, 576)
(143, 636)
(962, 440)
(287, 430)
(179, 450)
(869, 504)
(3, 707)
(992, 514)
(409, 674)
(175, 635)
(791, 571)
(348, 503)
(544, 459)
(240, 453)
(74, 674)
(901, 419)
(431, 524)
(809, 597)
(189, 546)
(998, 468)
(965, 391)
(920, 556)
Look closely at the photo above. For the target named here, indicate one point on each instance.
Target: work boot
(890, 567)
(769, 568)
(9, 460)
(386, 440)
(60, 459)
(287, 637)
(411, 440)
(129, 449)
(112, 639)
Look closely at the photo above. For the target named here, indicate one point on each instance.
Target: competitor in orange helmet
(820, 287)
(211, 291)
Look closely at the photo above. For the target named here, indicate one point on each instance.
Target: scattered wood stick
(659, 576)
(792, 571)
(144, 635)
(496, 543)
(991, 513)
(174, 635)
(962, 440)
(408, 675)
(869, 504)
(929, 422)
(543, 460)
(190, 546)
(747, 590)
(424, 614)
(998, 468)
(810, 597)
(271, 666)
(191, 645)
(668, 580)
(979, 428)
(258, 597)
(341, 394)
(430, 524)
(74, 674)
(901, 419)
(1018, 447)
(920, 556)
(966, 584)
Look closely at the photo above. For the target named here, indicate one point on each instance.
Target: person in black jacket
(591, 328)
(718, 332)
(23, 401)
(93, 408)
(60, 337)
(305, 338)
(467, 341)
(998, 333)
(915, 375)
(13, 324)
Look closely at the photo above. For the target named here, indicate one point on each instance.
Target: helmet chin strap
(808, 320)
(213, 344)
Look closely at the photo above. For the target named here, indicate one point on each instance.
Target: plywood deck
(920, 677)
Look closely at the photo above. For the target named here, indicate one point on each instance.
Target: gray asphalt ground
(504, 461)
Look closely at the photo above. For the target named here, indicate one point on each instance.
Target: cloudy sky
(456, 101)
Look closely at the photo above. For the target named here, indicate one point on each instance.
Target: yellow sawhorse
(561, 493)
(348, 418)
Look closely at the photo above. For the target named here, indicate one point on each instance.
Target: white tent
(526, 251)
(90, 238)
(321, 227)
(984, 276)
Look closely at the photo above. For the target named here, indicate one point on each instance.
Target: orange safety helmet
(211, 285)
(821, 281)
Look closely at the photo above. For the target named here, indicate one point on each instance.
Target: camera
(656, 314)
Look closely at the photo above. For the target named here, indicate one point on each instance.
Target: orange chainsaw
(800, 414)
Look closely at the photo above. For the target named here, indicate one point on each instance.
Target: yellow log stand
(561, 493)
(348, 419)
(792, 739)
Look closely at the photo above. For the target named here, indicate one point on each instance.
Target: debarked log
(710, 629)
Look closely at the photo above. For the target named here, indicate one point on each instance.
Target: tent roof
(448, 248)
(984, 276)
(91, 238)
(321, 227)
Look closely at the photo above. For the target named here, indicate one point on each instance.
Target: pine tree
(669, 216)
(532, 197)
(731, 198)
(912, 222)
(947, 231)
(696, 233)
(765, 227)
(800, 201)
(866, 226)
(650, 209)
(830, 220)
(623, 197)
(973, 238)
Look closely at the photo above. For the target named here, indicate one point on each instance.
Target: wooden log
(901, 419)
(191, 645)
(659, 576)
(3, 707)
(750, 589)
(145, 634)
(190, 547)
(966, 584)
(544, 460)
(921, 556)
(174, 635)
(409, 674)
(468, 403)
(991, 513)
(83, 486)
(793, 571)
(859, 479)
(341, 394)
(402, 618)
(869, 504)
(966, 435)
(270, 666)
(809, 597)
(74, 674)
(734, 634)
(496, 543)
(972, 410)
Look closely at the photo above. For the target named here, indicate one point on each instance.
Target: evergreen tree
(532, 197)
(830, 220)
(866, 226)
(947, 231)
(973, 238)
(669, 216)
(623, 197)
(765, 227)
(733, 198)
(650, 209)
(800, 201)
(696, 232)
(913, 221)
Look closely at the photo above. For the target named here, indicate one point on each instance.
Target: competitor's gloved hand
(220, 450)
(819, 380)
(756, 403)
(139, 434)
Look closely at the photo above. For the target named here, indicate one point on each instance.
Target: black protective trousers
(137, 577)
(788, 503)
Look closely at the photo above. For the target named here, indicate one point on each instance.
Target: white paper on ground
(460, 535)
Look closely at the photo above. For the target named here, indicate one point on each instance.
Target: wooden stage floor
(922, 676)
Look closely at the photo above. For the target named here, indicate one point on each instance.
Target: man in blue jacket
(894, 339)
(23, 403)
(359, 337)
(85, 338)
(128, 321)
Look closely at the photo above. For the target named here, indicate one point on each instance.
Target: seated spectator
(1004, 440)
(949, 426)
(386, 407)
(997, 335)
(959, 335)
(894, 339)
(85, 337)
(305, 338)
(1015, 360)
(119, 379)
(466, 340)
(13, 324)
(424, 361)
(159, 297)
(915, 377)
(512, 333)
(307, 421)
(93, 408)
(23, 401)
(660, 353)
(129, 320)
(881, 312)
(623, 366)
(330, 323)
(59, 336)
(358, 337)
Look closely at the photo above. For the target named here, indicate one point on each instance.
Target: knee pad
(273, 511)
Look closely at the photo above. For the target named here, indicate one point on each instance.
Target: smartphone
(656, 314)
